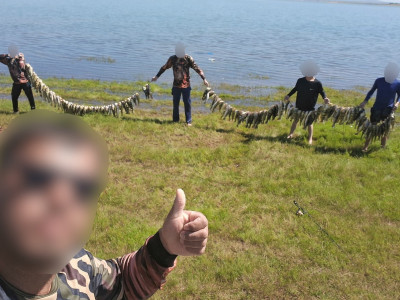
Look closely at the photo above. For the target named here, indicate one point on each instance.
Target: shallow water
(237, 42)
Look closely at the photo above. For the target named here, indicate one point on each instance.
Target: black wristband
(158, 252)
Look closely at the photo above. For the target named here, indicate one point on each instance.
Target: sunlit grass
(245, 182)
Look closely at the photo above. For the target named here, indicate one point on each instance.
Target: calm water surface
(247, 42)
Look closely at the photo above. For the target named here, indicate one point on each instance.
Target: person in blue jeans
(181, 64)
(387, 88)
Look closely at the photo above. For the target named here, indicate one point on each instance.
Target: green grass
(245, 182)
(259, 77)
(98, 59)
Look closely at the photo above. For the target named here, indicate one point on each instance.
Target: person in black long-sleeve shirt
(308, 88)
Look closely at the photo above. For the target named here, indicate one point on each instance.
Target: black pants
(380, 115)
(16, 91)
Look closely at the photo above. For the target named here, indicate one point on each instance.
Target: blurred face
(180, 50)
(309, 68)
(392, 71)
(49, 192)
(13, 50)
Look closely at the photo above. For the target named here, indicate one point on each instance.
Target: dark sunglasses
(37, 178)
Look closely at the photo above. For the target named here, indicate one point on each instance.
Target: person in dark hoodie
(16, 65)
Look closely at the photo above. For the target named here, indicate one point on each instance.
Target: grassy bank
(245, 182)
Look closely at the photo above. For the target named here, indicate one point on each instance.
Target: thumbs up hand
(184, 232)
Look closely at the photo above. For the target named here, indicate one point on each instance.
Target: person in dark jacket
(308, 88)
(181, 64)
(16, 66)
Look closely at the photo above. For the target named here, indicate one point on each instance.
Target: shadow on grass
(353, 151)
(148, 120)
(250, 137)
(5, 112)
(8, 112)
(225, 131)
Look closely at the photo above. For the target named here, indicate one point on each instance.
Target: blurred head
(52, 171)
(309, 68)
(392, 71)
(180, 50)
(13, 50)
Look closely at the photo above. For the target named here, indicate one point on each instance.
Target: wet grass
(245, 182)
(98, 59)
(259, 77)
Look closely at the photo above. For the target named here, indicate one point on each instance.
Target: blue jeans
(176, 93)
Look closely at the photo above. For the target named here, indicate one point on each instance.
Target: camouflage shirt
(16, 68)
(181, 68)
(137, 275)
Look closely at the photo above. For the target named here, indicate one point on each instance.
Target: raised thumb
(179, 204)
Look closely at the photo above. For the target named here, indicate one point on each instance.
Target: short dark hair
(43, 123)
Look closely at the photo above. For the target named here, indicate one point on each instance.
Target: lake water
(251, 42)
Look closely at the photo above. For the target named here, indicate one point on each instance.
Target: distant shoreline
(377, 3)
(234, 89)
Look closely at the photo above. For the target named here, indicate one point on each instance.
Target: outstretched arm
(140, 274)
(4, 58)
(369, 94)
(397, 102)
(291, 93)
(137, 275)
(144, 272)
(165, 67)
(323, 94)
(199, 71)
